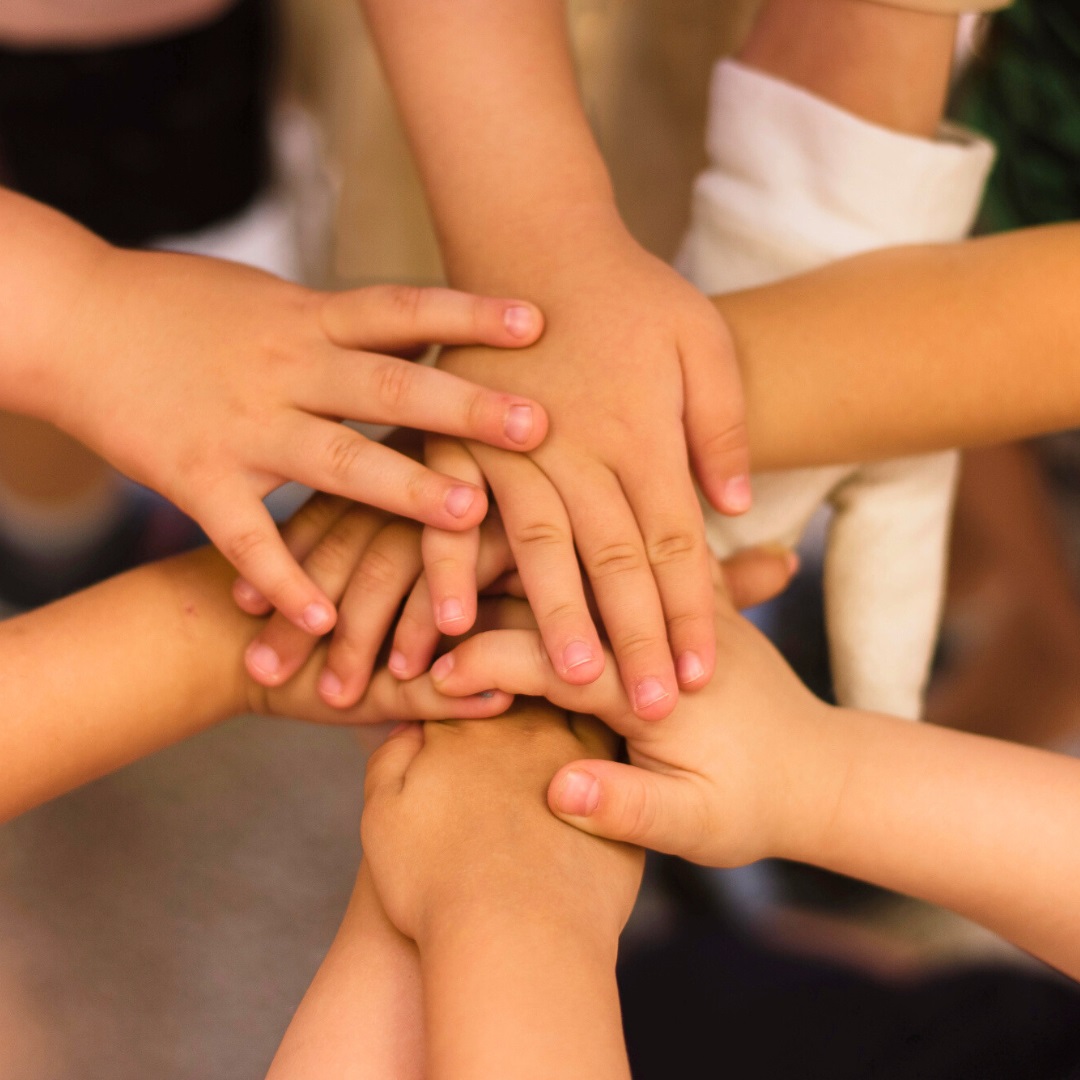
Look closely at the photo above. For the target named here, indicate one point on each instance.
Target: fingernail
(442, 667)
(578, 794)
(459, 499)
(317, 618)
(520, 321)
(329, 684)
(690, 667)
(792, 563)
(737, 496)
(487, 695)
(451, 611)
(263, 659)
(397, 663)
(247, 592)
(649, 692)
(575, 654)
(519, 423)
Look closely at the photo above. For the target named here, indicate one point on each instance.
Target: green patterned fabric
(1024, 93)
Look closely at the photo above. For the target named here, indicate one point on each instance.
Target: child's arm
(631, 358)
(912, 349)
(754, 766)
(517, 923)
(363, 1015)
(213, 382)
(144, 660)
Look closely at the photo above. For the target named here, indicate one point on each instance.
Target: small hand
(215, 384)
(720, 781)
(367, 562)
(635, 365)
(455, 824)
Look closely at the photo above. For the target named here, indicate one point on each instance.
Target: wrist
(213, 631)
(535, 247)
(813, 787)
(55, 264)
(454, 925)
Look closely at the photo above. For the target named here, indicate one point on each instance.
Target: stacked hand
(635, 368)
(214, 384)
(729, 777)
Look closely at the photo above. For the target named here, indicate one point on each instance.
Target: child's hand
(731, 776)
(367, 562)
(215, 383)
(634, 366)
(455, 827)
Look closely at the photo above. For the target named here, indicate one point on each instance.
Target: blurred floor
(165, 921)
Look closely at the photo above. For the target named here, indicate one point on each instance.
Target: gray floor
(165, 921)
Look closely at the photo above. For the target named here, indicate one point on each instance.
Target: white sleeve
(795, 182)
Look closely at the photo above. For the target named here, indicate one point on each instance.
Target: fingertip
(691, 669)
(736, 495)
(581, 663)
(523, 322)
(466, 506)
(249, 599)
(653, 698)
(317, 617)
(487, 704)
(574, 792)
(263, 663)
(330, 687)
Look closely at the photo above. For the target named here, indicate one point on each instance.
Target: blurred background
(165, 921)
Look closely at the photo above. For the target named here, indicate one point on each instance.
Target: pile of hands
(596, 521)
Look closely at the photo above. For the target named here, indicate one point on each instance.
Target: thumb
(623, 802)
(386, 768)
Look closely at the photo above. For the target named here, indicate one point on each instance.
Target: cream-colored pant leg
(793, 183)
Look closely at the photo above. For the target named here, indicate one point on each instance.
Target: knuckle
(638, 810)
(377, 572)
(394, 382)
(405, 301)
(675, 546)
(318, 512)
(245, 546)
(345, 455)
(560, 612)
(616, 558)
(634, 642)
(335, 550)
(540, 534)
(727, 440)
(689, 623)
(478, 411)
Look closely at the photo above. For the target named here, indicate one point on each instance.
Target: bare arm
(146, 659)
(984, 827)
(362, 1016)
(215, 383)
(520, 194)
(111, 674)
(517, 924)
(912, 349)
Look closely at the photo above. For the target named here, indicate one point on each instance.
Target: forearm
(362, 1016)
(489, 99)
(983, 827)
(886, 64)
(912, 349)
(111, 674)
(520, 994)
(48, 261)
